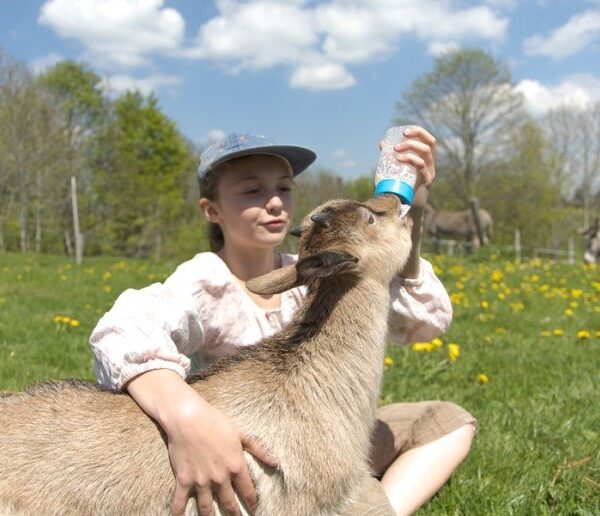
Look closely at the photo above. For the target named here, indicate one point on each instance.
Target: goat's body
(83, 450)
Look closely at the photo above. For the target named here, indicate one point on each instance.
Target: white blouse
(200, 312)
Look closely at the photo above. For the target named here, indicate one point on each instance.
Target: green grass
(536, 451)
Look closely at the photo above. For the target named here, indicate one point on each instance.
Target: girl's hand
(204, 448)
(418, 150)
(207, 459)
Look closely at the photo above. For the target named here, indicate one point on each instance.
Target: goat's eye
(371, 218)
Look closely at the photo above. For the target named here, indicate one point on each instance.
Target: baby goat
(308, 394)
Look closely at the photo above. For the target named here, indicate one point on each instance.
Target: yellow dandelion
(501, 296)
(484, 304)
(557, 332)
(75, 323)
(517, 307)
(545, 333)
(106, 276)
(107, 289)
(573, 304)
(437, 342)
(65, 319)
(583, 334)
(388, 361)
(453, 352)
(423, 346)
(497, 275)
(596, 285)
(569, 312)
(597, 333)
(483, 378)
(501, 331)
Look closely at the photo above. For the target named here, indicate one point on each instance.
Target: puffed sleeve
(420, 307)
(151, 328)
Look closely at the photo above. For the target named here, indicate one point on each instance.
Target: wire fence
(517, 251)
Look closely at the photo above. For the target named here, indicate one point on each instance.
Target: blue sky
(320, 73)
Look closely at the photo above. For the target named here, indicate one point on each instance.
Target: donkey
(591, 237)
(70, 447)
(458, 224)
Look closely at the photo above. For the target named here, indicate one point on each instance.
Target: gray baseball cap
(235, 145)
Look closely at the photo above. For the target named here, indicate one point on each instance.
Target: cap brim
(299, 158)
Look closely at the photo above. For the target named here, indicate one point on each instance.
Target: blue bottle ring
(395, 186)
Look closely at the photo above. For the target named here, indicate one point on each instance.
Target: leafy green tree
(520, 193)
(31, 145)
(468, 103)
(139, 179)
(80, 108)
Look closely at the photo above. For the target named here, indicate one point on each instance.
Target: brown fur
(308, 393)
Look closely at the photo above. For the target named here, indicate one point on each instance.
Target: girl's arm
(151, 328)
(421, 308)
(417, 150)
(141, 345)
(204, 447)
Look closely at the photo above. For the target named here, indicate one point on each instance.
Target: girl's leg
(416, 475)
(416, 447)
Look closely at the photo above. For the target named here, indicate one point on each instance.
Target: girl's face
(254, 204)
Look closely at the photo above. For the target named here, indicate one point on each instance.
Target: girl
(152, 338)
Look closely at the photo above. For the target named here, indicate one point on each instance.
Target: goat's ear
(274, 282)
(324, 264)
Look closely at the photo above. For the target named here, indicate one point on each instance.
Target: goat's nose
(322, 219)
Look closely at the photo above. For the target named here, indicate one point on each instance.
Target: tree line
(136, 172)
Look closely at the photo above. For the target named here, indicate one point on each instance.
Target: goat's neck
(343, 324)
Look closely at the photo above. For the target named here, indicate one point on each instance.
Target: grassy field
(522, 355)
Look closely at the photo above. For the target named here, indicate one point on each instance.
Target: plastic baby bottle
(392, 176)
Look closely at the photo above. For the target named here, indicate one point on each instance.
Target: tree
(30, 144)
(520, 193)
(139, 180)
(81, 108)
(469, 104)
(574, 137)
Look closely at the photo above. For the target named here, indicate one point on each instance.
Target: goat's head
(345, 237)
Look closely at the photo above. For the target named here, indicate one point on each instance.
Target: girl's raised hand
(418, 150)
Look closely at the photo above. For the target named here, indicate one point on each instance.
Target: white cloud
(438, 48)
(505, 5)
(316, 41)
(41, 64)
(579, 32)
(125, 32)
(255, 35)
(214, 135)
(343, 160)
(319, 40)
(321, 76)
(578, 91)
(116, 84)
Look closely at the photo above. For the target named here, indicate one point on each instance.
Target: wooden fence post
(77, 233)
(571, 252)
